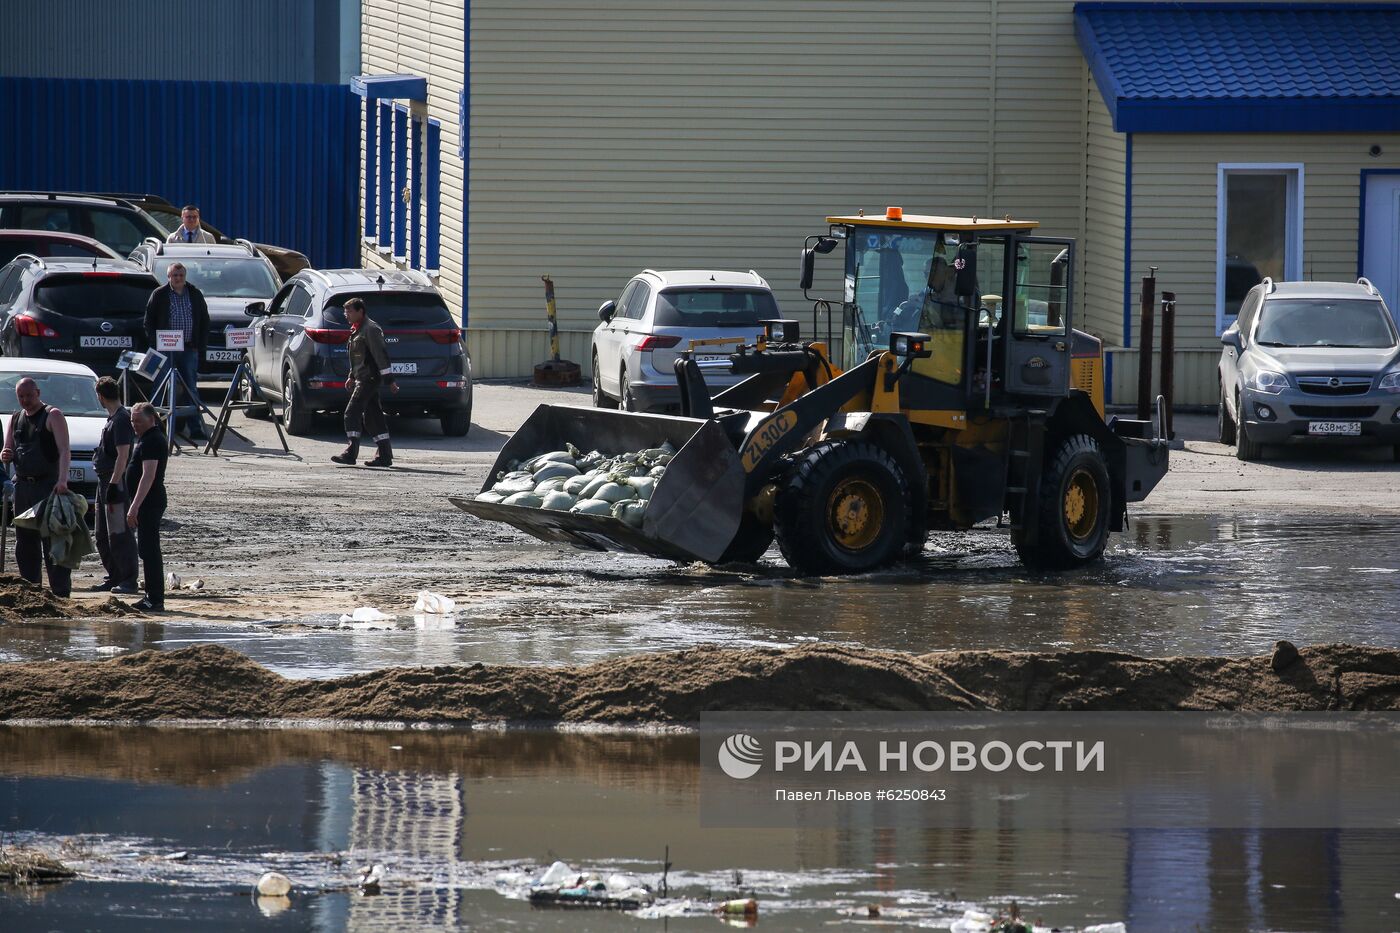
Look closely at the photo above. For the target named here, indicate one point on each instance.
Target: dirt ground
(286, 536)
(214, 682)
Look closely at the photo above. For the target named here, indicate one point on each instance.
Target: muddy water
(459, 820)
(1168, 586)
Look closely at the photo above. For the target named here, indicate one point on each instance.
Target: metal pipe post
(1168, 354)
(553, 320)
(1149, 299)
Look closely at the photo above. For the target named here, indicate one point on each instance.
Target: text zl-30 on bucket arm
(961, 393)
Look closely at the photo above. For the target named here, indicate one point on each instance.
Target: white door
(1381, 262)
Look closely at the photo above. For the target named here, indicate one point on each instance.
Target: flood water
(458, 820)
(1196, 585)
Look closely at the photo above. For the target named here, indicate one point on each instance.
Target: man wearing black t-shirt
(116, 544)
(145, 483)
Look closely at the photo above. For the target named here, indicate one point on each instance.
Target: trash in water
(738, 908)
(561, 886)
(274, 884)
(176, 856)
(434, 603)
(108, 649)
(30, 866)
(1106, 928)
(272, 906)
(434, 623)
(370, 879)
(366, 615)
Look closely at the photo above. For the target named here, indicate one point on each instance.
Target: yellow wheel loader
(961, 394)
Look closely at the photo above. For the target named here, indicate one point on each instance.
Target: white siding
(610, 137)
(1105, 206)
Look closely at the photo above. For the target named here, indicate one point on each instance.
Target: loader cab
(994, 299)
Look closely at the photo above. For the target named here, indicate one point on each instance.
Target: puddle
(1197, 585)
(459, 819)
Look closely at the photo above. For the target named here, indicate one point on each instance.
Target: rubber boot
(348, 455)
(384, 458)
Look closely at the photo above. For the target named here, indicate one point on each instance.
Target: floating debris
(30, 866)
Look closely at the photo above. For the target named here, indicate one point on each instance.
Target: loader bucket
(695, 508)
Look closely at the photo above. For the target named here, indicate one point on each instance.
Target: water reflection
(448, 813)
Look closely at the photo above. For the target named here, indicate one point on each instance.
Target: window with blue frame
(402, 171)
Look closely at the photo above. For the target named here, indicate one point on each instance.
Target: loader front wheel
(843, 507)
(1073, 511)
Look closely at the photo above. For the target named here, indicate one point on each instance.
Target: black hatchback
(86, 311)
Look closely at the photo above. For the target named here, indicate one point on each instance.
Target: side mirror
(808, 268)
(255, 308)
(606, 311)
(1231, 338)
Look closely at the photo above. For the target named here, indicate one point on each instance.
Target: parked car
(656, 316)
(1310, 362)
(230, 275)
(47, 244)
(299, 355)
(72, 389)
(80, 310)
(114, 222)
(287, 262)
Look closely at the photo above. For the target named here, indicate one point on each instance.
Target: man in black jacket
(369, 369)
(177, 305)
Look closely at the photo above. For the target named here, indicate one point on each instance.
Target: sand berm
(210, 682)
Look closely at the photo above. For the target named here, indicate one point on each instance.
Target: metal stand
(233, 403)
(163, 400)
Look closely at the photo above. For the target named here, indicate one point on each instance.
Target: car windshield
(95, 294)
(395, 309)
(714, 307)
(1316, 322)
(224, 278)
(73, 394)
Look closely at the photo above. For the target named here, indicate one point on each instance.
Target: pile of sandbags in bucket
(591, 484)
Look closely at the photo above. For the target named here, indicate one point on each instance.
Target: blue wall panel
(276, 163)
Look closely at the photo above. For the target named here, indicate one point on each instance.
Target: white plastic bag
(365, 614)
(434, 603)
(558, 873)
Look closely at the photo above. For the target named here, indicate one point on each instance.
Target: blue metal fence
(276, 163)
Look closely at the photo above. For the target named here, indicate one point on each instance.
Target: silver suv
(1310, 362)
(228, 274)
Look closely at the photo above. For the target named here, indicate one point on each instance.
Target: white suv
(657, 316)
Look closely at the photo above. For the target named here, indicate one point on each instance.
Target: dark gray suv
(299, 353)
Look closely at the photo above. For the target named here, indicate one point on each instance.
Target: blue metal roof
(1244, 67)
(390, 87)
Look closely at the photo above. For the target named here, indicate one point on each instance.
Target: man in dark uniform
(369, 367)
(36, 442)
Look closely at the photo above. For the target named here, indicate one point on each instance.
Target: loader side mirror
(809, 262)
(606, 311)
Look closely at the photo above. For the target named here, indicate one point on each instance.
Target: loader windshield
(904, 281)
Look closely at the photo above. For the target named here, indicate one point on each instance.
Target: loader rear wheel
(1073, 512)
(843, 507)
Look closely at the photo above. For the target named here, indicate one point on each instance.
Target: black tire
(245, 394)
(1072, 514)
(456, 422)
(628, 401)
(295, 416)
(1224, 424)
(750, 542)
(1246, 448)
(601, 399)
(843, 507)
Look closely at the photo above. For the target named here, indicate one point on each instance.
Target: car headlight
(1390, 381)
(1267, 381)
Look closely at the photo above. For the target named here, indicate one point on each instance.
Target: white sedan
(72, 389)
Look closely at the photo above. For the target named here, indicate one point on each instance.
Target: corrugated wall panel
(271, 162)
(1174, 210)
(1104, 219)
(174, 40)
(1194, 381)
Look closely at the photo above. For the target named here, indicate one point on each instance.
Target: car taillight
(450, 335)
(655, 342)
(451, 383)
(31, 327)
(327, 335)
(101, 275)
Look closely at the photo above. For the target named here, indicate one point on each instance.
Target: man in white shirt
(189, 230)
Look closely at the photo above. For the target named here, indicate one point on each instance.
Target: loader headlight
(906, 345)
(1266, 381)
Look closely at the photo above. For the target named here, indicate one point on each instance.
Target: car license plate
(222, 356)
(711, 358)
(1352, 428)
(104, 341)
(75, 475)
(403, 369)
